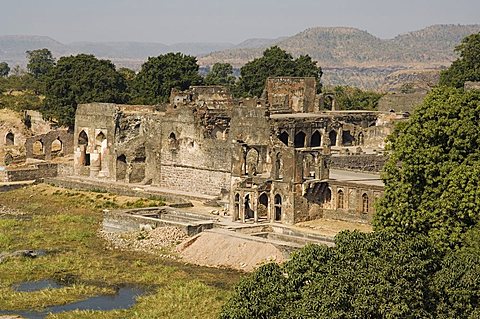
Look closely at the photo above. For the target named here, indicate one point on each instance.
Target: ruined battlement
(291, 94)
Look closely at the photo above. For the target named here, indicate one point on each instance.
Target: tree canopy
(221, 74)
(4, 69)
(40, 62)
(375, 275)
(274, 62)
(467, 66)
(81, 79)
(159, 75)
(433, 172)
(352, 98)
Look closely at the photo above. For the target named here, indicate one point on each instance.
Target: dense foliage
(274, 62)
(159, 75)
(465, 68)
(40, 62)
(4, 69)
(221, 74)
(81, 79)
(376, 275)
(432, 175)
(352, 98)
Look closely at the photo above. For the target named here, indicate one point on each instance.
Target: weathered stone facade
(267, 159)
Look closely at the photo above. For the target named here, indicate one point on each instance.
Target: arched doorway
(38, 149)
(283, 137)
(121, 168)
(9, 139)
(315, 140)
(83, 144)
(262, 208)
(278, 207)
(101, 146)
(248, 209)
(56, 147)
(308, 166)
(299, 139)
(333, 137)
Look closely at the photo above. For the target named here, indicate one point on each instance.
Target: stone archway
(9, 139)
(121, 168)
(315, 140)
(332, 137)
(262, 207)
(283, 137)
(278, 207)
(300, 139)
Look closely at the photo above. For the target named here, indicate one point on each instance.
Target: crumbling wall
(291, 94)
(62, 136)
(360, 162)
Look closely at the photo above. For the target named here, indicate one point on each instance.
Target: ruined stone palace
(267, 159)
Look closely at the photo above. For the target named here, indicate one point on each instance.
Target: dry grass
(66, 223)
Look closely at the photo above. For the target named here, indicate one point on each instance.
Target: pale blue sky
(222, 20)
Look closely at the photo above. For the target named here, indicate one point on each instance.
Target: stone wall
(291, 94)
(36, 172)
(362, 162)
(64, 137)
(191, 179)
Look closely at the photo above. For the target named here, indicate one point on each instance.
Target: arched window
(365, 203)
(283, 137)
(278, 207)
(333, 137)
(121, 167)
(82, 138)
(340, 199)
(300, 139)
(38, 148)
(100, 138)
(360, 139)
(172, 137)
(9, 139)
(56, 147)
(262, 205)
(252, 159)
(315, 140)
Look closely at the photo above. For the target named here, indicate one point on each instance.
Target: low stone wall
(37, 172)
(130, 220)
(363, 162)
(115, 188)
(347, 215)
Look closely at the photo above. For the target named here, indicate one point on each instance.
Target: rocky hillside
(350, 47)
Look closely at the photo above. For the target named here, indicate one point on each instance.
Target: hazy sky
(222, 20)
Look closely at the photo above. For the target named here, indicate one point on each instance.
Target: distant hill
(348, 56)
(13, 48)
(350, 47)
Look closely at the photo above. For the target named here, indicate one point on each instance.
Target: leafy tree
(81, 79)
(376, 275)
(465, 68)
(4, 69)
(221, 74)
(457, 284)
(40, 62)
(128, 74)
(432, 177)
(274, 62)
(159, 75)
(351, 98)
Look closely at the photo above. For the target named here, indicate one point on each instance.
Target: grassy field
(65, 224)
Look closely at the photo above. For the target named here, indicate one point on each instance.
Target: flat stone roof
(356, 177)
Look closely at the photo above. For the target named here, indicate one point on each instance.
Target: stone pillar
(78, 160)
(242, 209)
(255, 209)
(95, 164)
(339, 137)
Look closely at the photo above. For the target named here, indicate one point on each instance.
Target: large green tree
(221, 74)
(81, 79)
(467, 66)
(4, 69)
(159, 75)
(274, 62)
(376, 275)
(40, 62)
(352, 98)
(432, 176)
